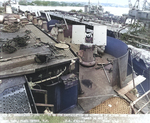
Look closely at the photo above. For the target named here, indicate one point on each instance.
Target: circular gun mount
(87, 42)
(86, 54)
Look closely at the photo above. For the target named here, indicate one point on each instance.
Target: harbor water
(118, 11)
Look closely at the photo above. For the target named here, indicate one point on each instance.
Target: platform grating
(114, 105)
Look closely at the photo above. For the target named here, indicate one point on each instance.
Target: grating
(114, 105)
(14, 100)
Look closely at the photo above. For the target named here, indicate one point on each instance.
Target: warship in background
(98, 12)
(132, 28)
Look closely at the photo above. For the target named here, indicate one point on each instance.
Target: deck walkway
(100, 89)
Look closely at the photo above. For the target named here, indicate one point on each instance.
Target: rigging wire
(143, 87)
(133, 72)
(54, 77)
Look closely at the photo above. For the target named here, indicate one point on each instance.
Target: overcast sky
(100, 1)
(122, 2)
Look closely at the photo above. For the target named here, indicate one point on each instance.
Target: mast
(89, 5)
(89, 2)
(144, 5)
(130, 4)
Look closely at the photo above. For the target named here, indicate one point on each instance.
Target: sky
(100, 1)
(120, 2)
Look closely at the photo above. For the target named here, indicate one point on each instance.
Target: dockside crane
(145, 7)
(137, 5)
(130, 4)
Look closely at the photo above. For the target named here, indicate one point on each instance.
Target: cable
(38, 86)
(144, 91)
(132, 68)
(143, 87)
(53, 84)
(54, 77)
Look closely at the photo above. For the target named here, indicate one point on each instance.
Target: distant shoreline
(75, 4)
(118, 11)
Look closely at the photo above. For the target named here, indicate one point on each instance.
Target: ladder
(48, 16)
(46, 105)
(134, 102)
(124, 92)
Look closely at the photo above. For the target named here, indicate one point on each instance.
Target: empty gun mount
(11, 45)
(11, 27)
(21, 41)
(44, 58)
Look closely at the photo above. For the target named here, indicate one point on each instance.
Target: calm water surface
(112, 10)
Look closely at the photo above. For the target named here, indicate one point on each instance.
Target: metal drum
(40, 22)
(34, 21)
(44, 26)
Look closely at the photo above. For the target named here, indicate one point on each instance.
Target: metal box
(79, 34)
(63, 95)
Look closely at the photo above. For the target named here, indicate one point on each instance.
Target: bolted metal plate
(15, 100)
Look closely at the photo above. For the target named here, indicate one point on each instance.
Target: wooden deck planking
(139, 79)
(131, 96)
